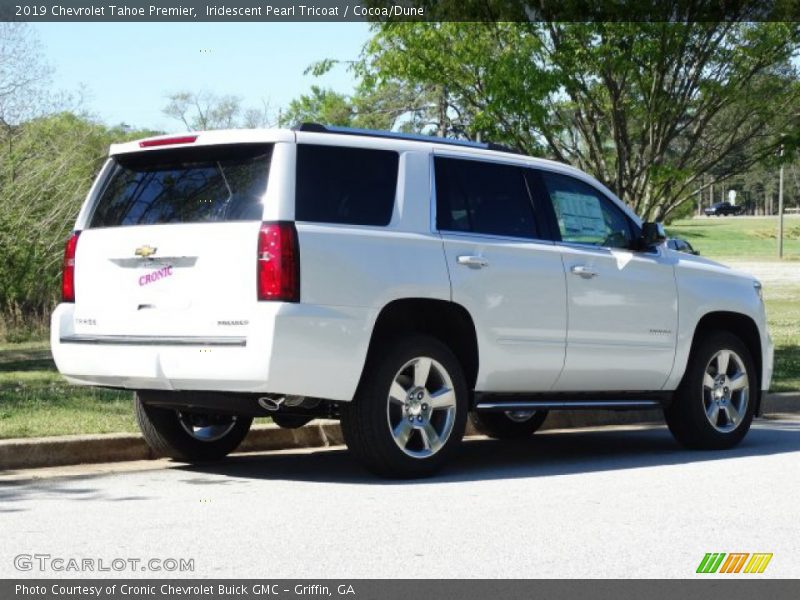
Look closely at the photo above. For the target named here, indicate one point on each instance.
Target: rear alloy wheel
(206, 428)
(714, 405)
(188, 436)
(410, 410)
(511, 424)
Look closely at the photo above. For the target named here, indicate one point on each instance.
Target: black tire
(500, 426)
(164, 432)
(686, 415)
(366, 420)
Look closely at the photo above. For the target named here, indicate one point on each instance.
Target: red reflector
(68, 271)
(186, 139)
(278, 263)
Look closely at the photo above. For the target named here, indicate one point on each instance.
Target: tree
(650, 109)
(24, 75)
(199, 111)
(44, 178)
(369, 108)
(320, 106)
(50, 154)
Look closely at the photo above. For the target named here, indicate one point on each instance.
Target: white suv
(398, 283)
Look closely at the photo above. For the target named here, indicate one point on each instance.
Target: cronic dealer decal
(154, 276)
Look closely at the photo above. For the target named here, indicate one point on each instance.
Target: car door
(501, 270)
(622, 305)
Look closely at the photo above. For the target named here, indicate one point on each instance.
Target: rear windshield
(188, 185)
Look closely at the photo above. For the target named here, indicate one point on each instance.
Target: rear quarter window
(188, 185)
(353, 186)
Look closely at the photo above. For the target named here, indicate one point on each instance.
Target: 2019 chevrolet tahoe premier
(401, 284)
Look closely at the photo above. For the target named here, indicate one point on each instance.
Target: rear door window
(353, 186)
(483, 197)
(187, 185)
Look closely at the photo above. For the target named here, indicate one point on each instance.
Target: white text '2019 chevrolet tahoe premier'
(401, 284)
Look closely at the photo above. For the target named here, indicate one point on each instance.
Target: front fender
(704, 288)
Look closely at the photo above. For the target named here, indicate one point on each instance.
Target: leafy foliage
(648, 108)
(321, 106)
(47, 165)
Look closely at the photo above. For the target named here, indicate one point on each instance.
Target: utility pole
(700, 195)
(780, 208)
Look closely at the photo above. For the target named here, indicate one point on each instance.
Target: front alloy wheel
(713, 408)
(726, 391)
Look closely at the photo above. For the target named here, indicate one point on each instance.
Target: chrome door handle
(583, 271)
(477, 262)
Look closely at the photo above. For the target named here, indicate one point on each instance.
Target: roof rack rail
(414, 137)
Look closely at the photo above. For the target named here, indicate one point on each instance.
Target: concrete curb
(28, 453)
(782, 402)
(31, 453)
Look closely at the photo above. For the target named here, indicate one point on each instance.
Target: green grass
(783, 314)
(740, 238)
(36, 401)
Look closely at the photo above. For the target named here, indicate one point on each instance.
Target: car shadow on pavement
(544, 454)
(17, 496)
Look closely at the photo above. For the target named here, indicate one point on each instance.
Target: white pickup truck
(402, 284)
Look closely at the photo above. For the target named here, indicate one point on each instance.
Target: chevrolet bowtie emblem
(145, 251)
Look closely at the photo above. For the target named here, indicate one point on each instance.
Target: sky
(128, 69)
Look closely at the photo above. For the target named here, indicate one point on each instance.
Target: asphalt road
(612, 502)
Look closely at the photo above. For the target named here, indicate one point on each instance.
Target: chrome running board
(501, 406)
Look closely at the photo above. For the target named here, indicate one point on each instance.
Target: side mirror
(653, 234)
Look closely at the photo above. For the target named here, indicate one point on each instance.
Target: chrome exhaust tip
(271, 404)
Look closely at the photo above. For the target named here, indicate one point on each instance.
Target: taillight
(278, 263)
(68, 271)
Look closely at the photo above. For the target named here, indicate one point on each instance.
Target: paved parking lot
(606, 502)
(769, 273)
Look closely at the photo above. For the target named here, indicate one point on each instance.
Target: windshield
(189, 185)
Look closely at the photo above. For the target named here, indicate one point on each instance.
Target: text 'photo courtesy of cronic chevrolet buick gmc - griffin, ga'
(400, 284)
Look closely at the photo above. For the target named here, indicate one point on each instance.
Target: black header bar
(399, 10)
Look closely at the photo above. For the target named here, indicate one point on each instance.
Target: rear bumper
(297, 349)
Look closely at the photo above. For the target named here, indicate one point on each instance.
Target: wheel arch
(446, 321)
(743, 327)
